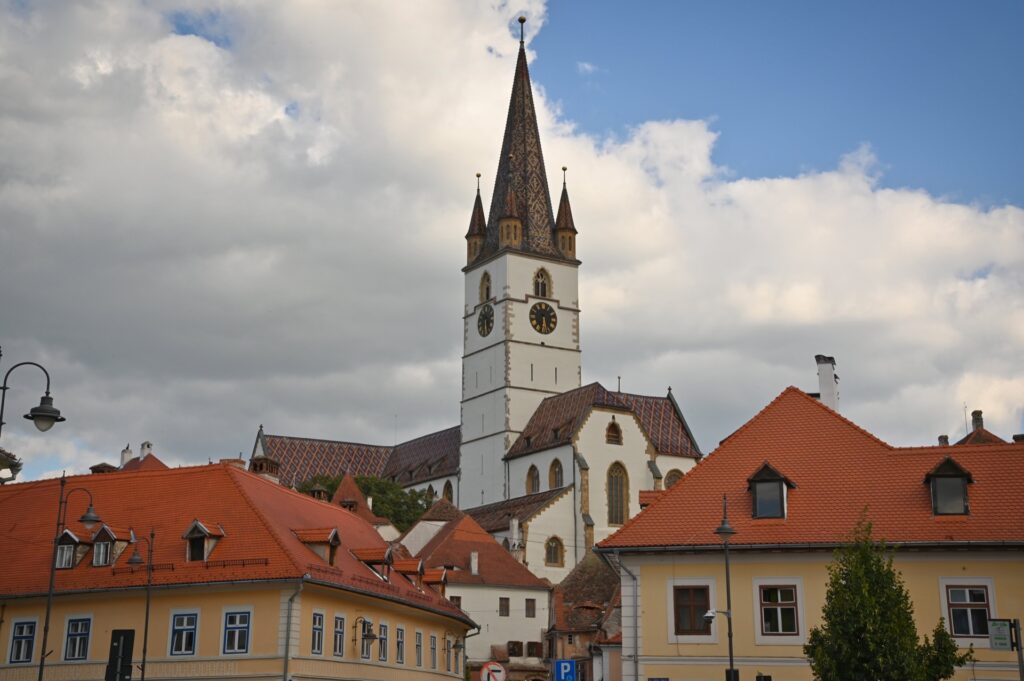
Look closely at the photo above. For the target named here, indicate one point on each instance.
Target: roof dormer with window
(770, 491)
(379, 560)
(107, 545)
(201, 538)
(322, 541)
(948, 482)
(71, 549)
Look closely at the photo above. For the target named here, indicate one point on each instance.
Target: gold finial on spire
(564, 168)
(522, 21)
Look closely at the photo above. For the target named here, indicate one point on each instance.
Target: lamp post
(725, 531)
(456, 647)
(89, 519)
(368, 634)
(45, 415)
(135, 561)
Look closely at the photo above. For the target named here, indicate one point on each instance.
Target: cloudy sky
(216, 216)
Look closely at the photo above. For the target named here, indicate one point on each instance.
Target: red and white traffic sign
(493, 671)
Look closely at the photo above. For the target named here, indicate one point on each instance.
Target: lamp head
(136, 559)
(90, 519)
(45, 415)
(709, 616)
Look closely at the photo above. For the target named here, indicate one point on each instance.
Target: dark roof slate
(495, 517)
(581, 600)
(425, 458)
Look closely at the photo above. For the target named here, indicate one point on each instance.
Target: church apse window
(485, 288)
(430, 492)
(448, 493)
(554, 552)
(542, 284)
(618, 494)
(555, 475)
(672, 478)
(532, 480)
(613, 433)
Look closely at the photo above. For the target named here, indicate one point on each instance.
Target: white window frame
(339, 651)
(986, 582)
(35, 635)
(184, 612)
(224, 629)
(801, 621)
(670, 628)
(399, 645)
(316, 647)
(107, 550)
(65, 551)
(67, 637)
(383, 634)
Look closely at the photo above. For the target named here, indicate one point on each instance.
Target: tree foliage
(390, 500)
(868, 629)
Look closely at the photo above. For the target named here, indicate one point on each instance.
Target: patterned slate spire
(564, 221)
(521, 172)
(477, 224)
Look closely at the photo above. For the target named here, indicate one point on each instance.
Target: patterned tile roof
(425, 458)
(839, 469)
(301, 458)
(495, 517)
(580, 602)
(559, 417)
(261, 521)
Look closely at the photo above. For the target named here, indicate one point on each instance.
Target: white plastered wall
(518, 468)
(558, 519)
(481, 604)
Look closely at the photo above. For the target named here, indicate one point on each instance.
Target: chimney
(126, 454)
(474, 562)
(145, 449)
(513, 527)
(369, 502)
(977, 423)
(944, 440)
(828, 381)
(1018, 438)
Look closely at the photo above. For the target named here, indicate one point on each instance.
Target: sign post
(1005, 635)
(565, 670)
(493, 671)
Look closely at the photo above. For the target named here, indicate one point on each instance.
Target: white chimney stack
(514, 532)
(828, 381)
(369, 502)
(145, 449)
(126, 454)
(474, 562)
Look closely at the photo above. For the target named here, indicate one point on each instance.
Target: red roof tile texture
(147, 463)
(260, 521)
(840, 470)
(580, 601)
(351, 498)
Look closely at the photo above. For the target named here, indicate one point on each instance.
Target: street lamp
(90, 519)
(45, 415)
(456, 647)
(135, 561)
(368, 634)
(725, 531)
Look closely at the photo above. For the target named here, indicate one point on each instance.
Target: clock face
(543, 318)
(485, 320)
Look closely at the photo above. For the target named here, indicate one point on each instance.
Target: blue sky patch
(209, 25)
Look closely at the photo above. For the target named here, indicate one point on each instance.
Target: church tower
(521, 317)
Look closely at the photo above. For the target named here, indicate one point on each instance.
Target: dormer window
(101, 553)
(197, 548)
(201, 538)
(65, 556)
(770, 489)
(948, 482)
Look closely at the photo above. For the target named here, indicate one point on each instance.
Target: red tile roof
(497, 516)
(258, 542)
(839, 470)
(980, 436)
(351, 498)
(452, 546)
(649, 496)
(580, 602)
(559, 417)
(150, 462)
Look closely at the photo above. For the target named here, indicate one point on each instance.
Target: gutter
(575, 514)
(824, 546)
(288, 627)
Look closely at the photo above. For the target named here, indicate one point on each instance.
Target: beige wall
(664, 655)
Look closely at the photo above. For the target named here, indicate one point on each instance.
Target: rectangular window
(447, 654)
(236, 633)
(531, 607)
(317, 641)
(101, 553)
(77, 645)
(949, 495)
(571, 640)
(22, 640)
(400, 645)
(365, 643)
(768, 499)
(419, 649)
(382, 642)
(183, 633)
(456, 601)
(65, 556)
(197, 548)
(778, 610)
(339, 636)
(433, 652)
(968, 610)
(690, 604)
(502, 606)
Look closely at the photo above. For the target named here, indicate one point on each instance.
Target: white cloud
(189, 260)
(585, 68)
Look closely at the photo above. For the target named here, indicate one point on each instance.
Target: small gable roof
(349, 496)
(497, 516)
(150, 462)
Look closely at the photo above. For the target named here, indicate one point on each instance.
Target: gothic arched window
(542, 283)
(532, 480)
(673, 477)
(613, 433)
(430, 491)
(554, 552)
(555, 475)
(448, 493)
(485, 288)
(618, 494)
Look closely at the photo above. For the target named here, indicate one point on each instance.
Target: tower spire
(565, 227)
(477, 227)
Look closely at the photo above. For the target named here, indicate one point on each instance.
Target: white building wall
(558, 520)
(438, 485)
(483, 472)
(421, 533)
(481, 604)
(668, 463)
(518, 468)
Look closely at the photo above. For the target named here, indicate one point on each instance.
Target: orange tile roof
(348, 491)
(317, 535)
(839, 470)
(150, 462)
(257, 543)
(649, 496)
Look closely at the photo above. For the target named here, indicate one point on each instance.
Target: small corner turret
(477, 228)
(565, 228)
(510, 226)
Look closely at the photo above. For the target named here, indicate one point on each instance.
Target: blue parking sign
(565, 670)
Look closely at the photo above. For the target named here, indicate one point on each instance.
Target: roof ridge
(320, 439)
(259, 513)
(423, 437)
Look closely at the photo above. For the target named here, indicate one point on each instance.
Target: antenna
(966, 429)
(620, 384)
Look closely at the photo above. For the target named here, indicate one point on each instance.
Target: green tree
(390, 500)
(868, 629)
(328, 482)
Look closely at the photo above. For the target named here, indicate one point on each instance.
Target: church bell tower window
(542, 284)
(485, 287)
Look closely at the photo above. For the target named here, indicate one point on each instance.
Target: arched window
(448, 494)
(430, 491)
(618, 494)
(542, 283)
(554, 552)
(485, 288)
(673, 477)
(505, 544)
(532, 480)
(555, 475)
(613, 433)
